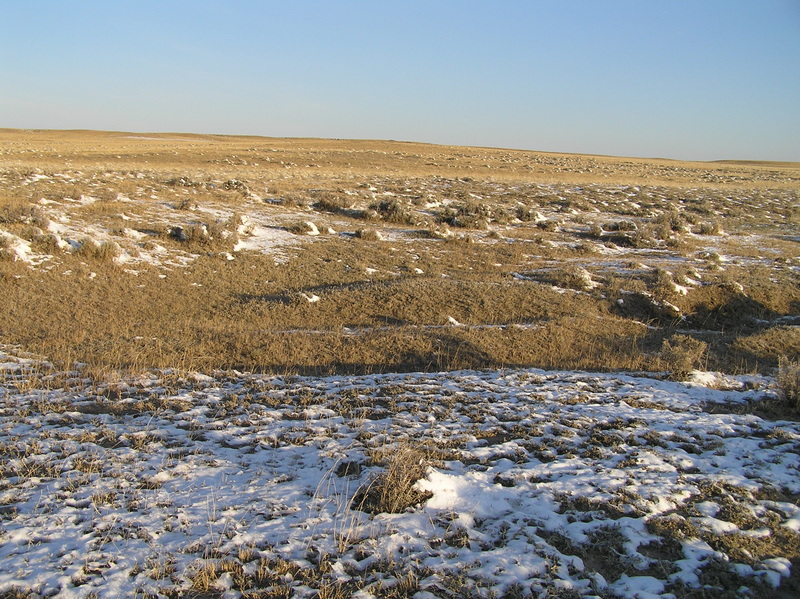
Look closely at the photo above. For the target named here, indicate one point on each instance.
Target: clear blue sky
(697, 79)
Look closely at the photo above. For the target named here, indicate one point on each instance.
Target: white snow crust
(101, 481)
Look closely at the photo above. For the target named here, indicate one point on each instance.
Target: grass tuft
(104, 251)
(789, 383)
(681, 354)
(369, 235)
(394, 490)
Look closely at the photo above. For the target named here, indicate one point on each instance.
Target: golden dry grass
(442, 257)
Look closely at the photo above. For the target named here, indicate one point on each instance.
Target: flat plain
(576, 374)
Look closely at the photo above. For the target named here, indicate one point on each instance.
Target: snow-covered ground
(536, 484)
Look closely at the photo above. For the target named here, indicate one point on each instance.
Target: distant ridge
(758, 163)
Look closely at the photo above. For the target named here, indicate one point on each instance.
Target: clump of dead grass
(681, 354)
(305, 227)
(23, 213)
(45, 242)
(6, 253)
(369, 235)
(104, 251)
(575, 277)
(327, 201)
(394, 490)
(216, 234)
(472, 215)
(393, 211)
(789, 383)
(708, 228)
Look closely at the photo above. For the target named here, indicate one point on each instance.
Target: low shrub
(394, 490)
(369, 235)
(574, 277)
(102, 252)
(235, 185)
(708, 228)
(471, 215)
(394, 212)
(664, 288)
(595, 231)
(305, 227)
(330, 202)
(620, 225)
(789, 382)
(527, 214)
(19, 212)
(216, 234)
(681, 354)
(46, 242)
(183, 181)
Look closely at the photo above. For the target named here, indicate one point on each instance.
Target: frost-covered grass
(507, 483)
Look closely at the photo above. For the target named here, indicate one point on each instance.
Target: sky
(694, 80)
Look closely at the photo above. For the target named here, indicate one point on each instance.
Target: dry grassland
(127, 252)
(134, 263)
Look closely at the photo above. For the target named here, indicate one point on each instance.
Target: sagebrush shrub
(369, 235)
(103, 252)
(303, 228)
(547, 225)
(23, 213)
(331, 202)
(789, 382)
(394, 490)
(681, 354)
(709, 228)
(394, 212)
(574, 277)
